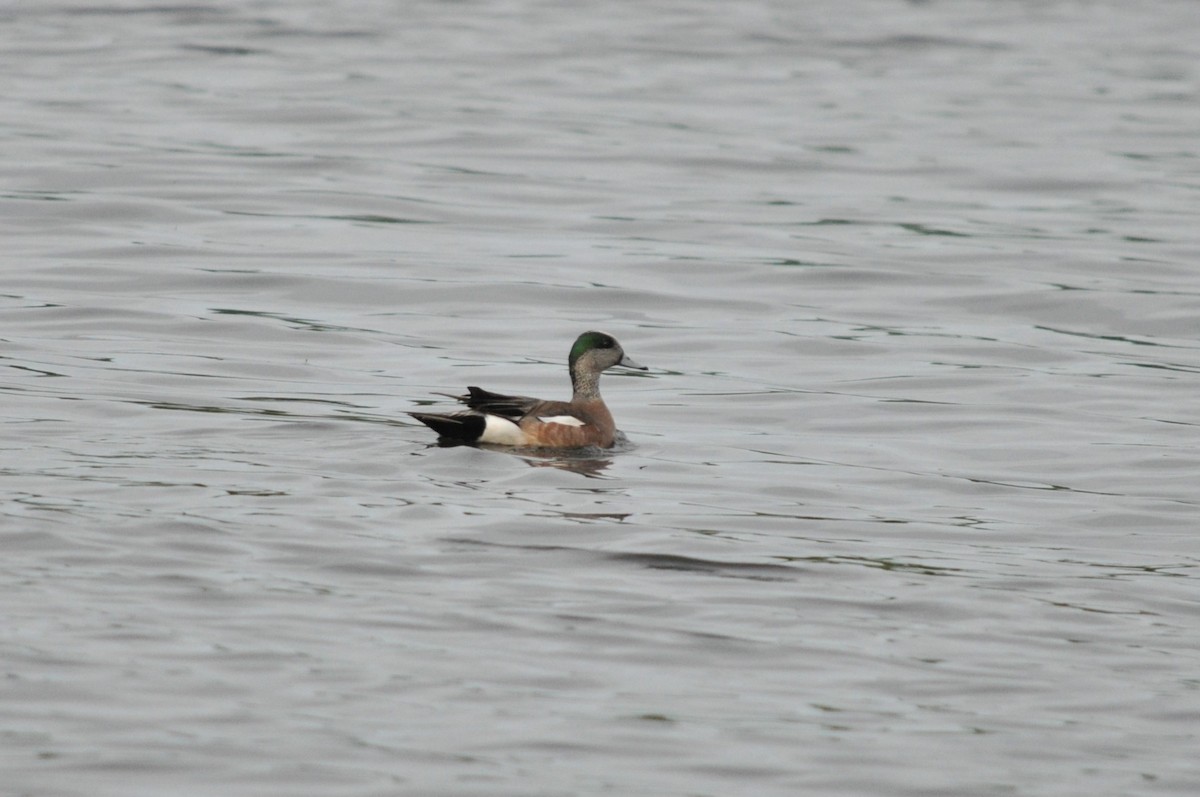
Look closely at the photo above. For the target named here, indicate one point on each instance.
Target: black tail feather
(466, 426)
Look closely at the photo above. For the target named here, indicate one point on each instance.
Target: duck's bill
(628, 363)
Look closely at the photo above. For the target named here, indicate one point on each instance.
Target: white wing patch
(565, 420)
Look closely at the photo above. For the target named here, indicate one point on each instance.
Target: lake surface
(909, 502)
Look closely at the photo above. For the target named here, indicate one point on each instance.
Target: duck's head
(596, 351)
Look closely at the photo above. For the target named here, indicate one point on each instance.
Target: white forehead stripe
(565, 420)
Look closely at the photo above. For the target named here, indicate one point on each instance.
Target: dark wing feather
(514, 407)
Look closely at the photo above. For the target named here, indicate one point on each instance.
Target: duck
(522, 421)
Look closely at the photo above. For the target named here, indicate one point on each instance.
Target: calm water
(911, 495)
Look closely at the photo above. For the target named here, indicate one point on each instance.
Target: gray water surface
(909, 500)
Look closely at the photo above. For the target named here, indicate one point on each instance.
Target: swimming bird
(523, 421)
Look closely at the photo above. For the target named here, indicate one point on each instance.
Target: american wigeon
(523, 421)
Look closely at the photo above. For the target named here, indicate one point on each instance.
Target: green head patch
(588, 341)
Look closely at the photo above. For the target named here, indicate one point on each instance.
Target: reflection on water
(586, 462)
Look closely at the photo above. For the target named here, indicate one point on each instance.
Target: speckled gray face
(589, 341)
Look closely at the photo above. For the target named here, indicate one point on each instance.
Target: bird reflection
(589, 466)
(590, 462)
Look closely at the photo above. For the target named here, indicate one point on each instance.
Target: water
(909, 500)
